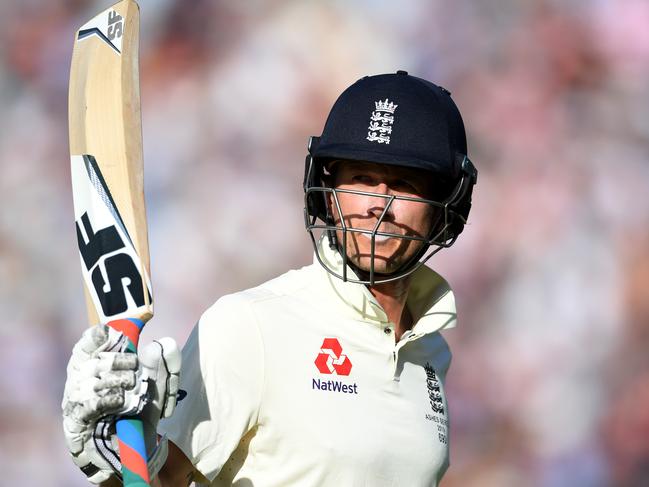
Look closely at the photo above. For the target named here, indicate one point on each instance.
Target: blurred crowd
(550, 379)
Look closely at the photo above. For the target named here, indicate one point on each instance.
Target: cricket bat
(108, 189)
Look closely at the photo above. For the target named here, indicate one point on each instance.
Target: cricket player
(329, 375)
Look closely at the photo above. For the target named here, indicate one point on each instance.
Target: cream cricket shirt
(299, 382)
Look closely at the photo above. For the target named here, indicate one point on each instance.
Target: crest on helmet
(381, 122)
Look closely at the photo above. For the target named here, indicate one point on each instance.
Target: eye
(404, 185)
(363, 179)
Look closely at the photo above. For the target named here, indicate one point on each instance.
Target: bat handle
(132, 451)
(130, 432)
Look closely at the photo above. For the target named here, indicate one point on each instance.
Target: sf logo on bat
(109, 28)
(115, 25)
(112, 273)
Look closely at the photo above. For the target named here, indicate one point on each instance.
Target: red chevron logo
(331, 360)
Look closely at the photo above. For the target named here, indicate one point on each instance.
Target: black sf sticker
(118, 267)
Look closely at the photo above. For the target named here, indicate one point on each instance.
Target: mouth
(377, 238)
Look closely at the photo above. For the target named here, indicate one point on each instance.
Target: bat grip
(132, 451)
(130, 431)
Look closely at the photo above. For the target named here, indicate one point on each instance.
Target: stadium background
(550, 380)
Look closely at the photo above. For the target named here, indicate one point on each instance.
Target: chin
(380, 264)
(389, 256)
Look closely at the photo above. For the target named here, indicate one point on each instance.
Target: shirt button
(387, 330)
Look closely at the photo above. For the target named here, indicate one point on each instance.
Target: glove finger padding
(79, 398)
(104, 384)
(121, 379)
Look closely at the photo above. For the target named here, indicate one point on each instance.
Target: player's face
(409, 218)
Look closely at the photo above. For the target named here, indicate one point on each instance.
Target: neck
(392, 297)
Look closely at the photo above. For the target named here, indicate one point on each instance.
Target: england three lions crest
(381, 122)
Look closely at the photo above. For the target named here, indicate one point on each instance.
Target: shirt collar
(430, 298)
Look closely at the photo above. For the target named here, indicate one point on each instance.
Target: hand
(105, 383)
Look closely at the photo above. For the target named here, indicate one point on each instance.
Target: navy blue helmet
(400, 120)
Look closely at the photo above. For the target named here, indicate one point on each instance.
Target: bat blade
(107, 166)
(108, 190)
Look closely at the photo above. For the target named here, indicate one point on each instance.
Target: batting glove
(103, 384)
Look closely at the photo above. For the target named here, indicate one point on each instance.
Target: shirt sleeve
(223, 375)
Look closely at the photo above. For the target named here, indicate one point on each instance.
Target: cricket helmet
(401, 120)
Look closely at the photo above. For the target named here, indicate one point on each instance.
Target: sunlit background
(550, 380)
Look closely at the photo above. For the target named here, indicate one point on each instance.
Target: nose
(378, 203)
(382, 188)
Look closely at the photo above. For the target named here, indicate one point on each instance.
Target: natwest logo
(331, 360)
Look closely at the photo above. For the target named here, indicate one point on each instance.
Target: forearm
(173, 480)
(177, 471)
(112, 482)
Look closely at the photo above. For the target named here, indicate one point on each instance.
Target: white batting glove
(105, 383)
